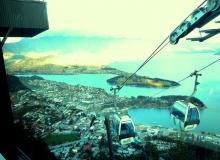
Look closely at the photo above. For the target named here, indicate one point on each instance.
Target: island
(142, 81)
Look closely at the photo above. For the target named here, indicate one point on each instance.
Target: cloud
(119, 18)
(71, 47)
(63, 42)
(188, 47)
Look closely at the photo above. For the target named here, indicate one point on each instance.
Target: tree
(151, 151)
(182, 151)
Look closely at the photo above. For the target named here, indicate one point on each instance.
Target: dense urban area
(71, 120)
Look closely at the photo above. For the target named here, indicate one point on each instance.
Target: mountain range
(63, 42)
(65, 48)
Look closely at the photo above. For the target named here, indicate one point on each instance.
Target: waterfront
(177, 67)
(70, 118)
(147, 116)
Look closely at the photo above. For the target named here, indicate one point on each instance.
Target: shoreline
(55, 109)
(50, 69)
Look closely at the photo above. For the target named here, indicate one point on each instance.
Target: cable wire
(209, 65)
(190, 75)
(154, 53)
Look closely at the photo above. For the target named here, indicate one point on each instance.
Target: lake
(208, 90)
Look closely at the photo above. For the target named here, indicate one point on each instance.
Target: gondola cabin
(185, 115)
(123, 129)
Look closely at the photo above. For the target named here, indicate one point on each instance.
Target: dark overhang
(26, 18)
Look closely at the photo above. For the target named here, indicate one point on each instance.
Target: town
(70, 118)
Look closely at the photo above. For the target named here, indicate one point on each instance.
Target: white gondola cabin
(185, 115)
(123, 129)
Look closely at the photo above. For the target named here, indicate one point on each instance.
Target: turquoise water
(93, 80)
(209, 117)
(151, 116)
(176, 68)
(161, 117)
(208, 90)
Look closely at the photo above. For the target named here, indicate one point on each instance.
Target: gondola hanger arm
(196, 74)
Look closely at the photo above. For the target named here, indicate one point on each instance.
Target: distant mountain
(58, 48)
(63, 42)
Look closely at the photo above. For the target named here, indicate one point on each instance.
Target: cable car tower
(202, 15)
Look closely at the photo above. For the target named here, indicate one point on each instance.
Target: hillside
(142, 81)
(64, 42)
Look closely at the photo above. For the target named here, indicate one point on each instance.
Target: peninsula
(30, 67)
(142, 81)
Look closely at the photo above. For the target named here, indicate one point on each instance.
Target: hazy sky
(147, 19)
(143, 23)
(119, 18)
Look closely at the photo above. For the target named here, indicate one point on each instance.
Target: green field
(55, 139)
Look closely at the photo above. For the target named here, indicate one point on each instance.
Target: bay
(168, 68)
(151, 116)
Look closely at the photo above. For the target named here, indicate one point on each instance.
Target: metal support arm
(6, 36)
(196, 74)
